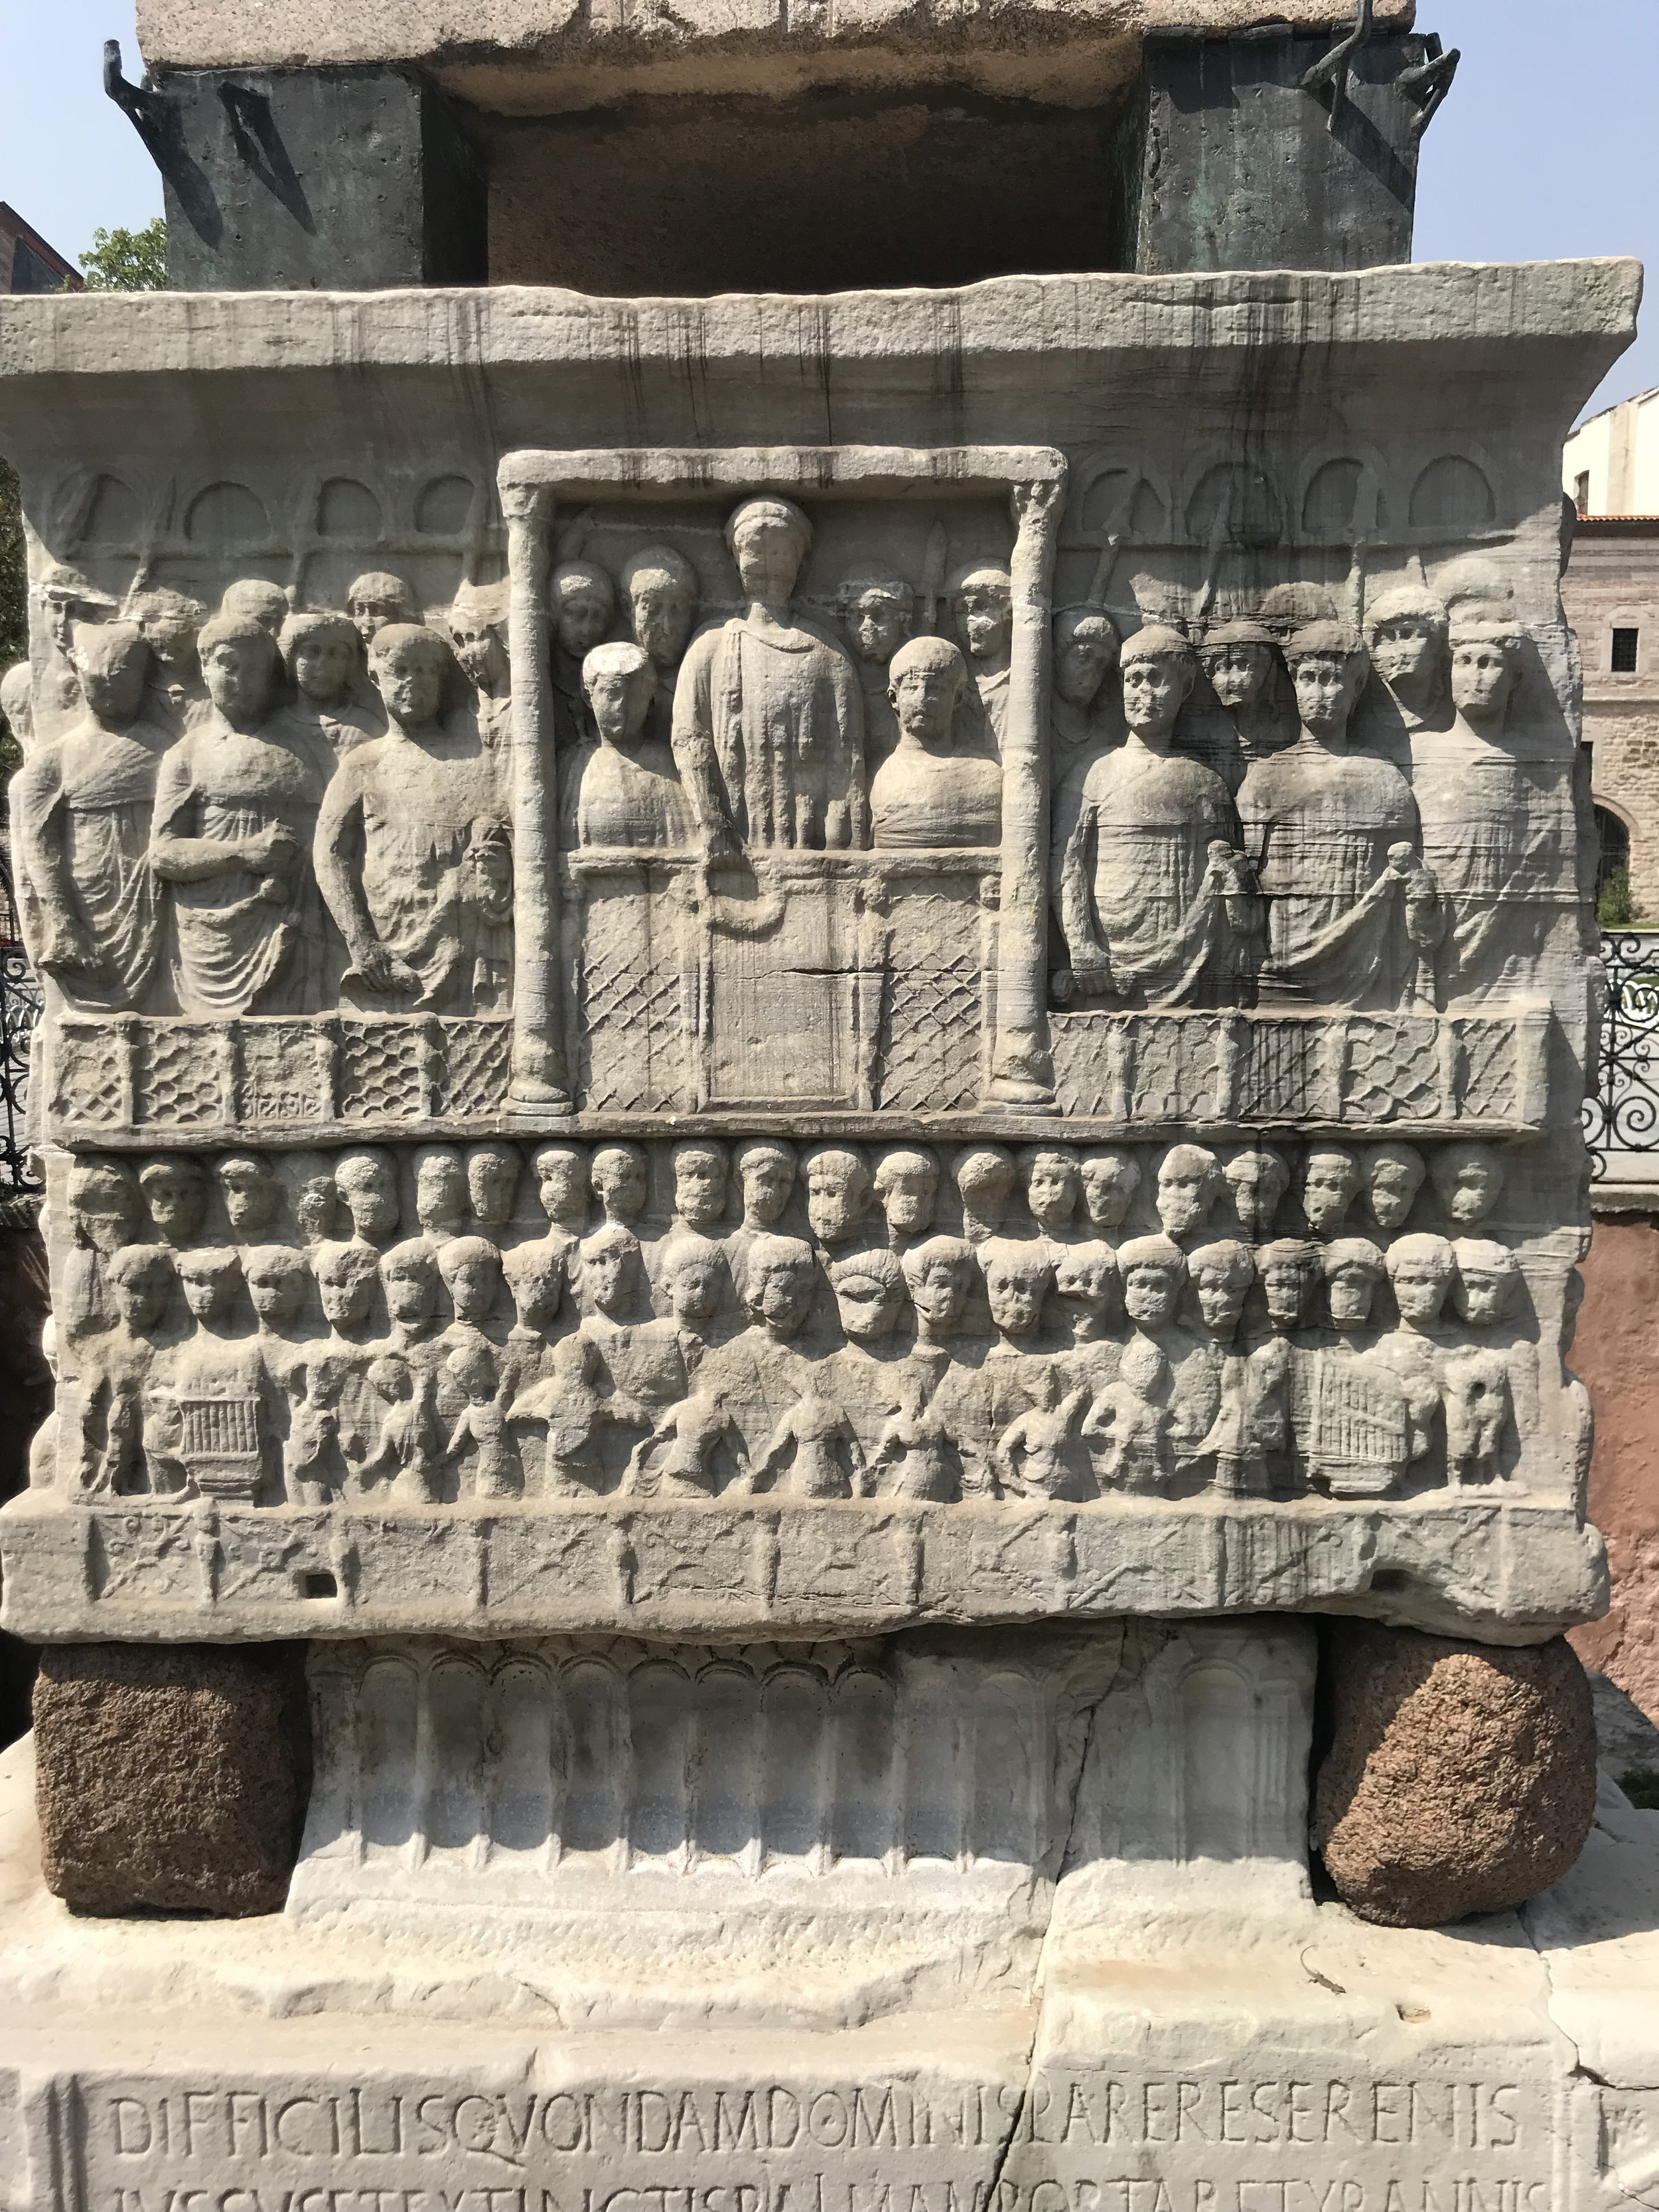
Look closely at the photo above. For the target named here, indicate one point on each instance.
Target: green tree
(1614, 907)
(128, 260)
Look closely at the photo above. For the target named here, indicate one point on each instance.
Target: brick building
(28, 263)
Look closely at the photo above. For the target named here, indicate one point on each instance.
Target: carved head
(620, 681)
(1018, 1280)
(410, 666)
(1085, 653)
(170, 623)
(1421, 1270)
(390, 1378)
(277, 1278)
(766, 1169)
(907, 1184)
(105, 1204)
(1110, 1178)
(211, 1278)
(473, 1367)
(1190, 1182)
(869, 1289)
(838, 1192)
(17, 703)
(346, 1274)
(472, 1270)
(112, 662)
(380, 601)
(1220, 1275)
(1258, 1178)
(320, 651)
(1287, 1270)
(662, 589)
(1469, 1177)
(1087, 1277)
(984, 1176)
(982, 600)
(1488, 1281)
(1160, 672)
(927, 679)
(1053, 1185)
(238, 667)
(1331, 1179)
(476, 625)
(606, 1268)
(583, 602)
(1354, 1268)
(694, 1275)
(367, 1179)
(939, 1275)
(492, 1180)
(409, 1276)
(560, 1173)
(1485, 667)
(251, 1191)
(1406, 631)
(618, 1177)
(699, 1165)
(876, 612)
(779, 1279)
(175, 1188)
(1154, 1271)
(139, 1276)
(253, 598)
(535, 1276)
(769, 539)
(1238, 658)
(312, 1193)
(1326, 669)
(1393, 1176)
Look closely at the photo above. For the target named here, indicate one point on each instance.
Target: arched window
(1615, 845)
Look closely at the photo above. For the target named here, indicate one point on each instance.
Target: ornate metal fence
(20, 1009)
(1621, 1114)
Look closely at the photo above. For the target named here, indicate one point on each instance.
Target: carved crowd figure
(236, 806)
(621, 784)
(583, 602)
(1085, 653)
(84, 809)
(933, 788)
(877, 612)
(769, 713)
(476, 625)
(662, 590)
(412, 846)
(1154, 898)
(1353, 916)
(330, 709)
(983, 602)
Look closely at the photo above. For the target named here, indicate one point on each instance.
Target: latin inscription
(1088, 2144)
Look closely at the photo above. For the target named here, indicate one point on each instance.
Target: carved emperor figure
(411, 844)
(769, 713)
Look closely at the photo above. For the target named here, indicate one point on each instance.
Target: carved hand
(382, 969)
(67, 947)
(271, 852)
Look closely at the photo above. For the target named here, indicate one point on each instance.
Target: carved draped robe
(1500, 840)
(1134, 876)
(244, 939)
(768, 721)
(1318, 823)
(84, 810)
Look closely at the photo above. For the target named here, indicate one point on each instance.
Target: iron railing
(20, 1009)
(1621, 1112)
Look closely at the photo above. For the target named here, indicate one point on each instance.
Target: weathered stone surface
(1104, 915)
(1459, 1779)
(541, 55)
(169, 1777)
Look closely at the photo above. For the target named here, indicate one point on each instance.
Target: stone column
(539, 1079)
(1021, 1072)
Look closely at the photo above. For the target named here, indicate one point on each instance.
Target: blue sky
(1545, 148)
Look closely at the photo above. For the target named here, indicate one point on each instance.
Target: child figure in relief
(483, 1423)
